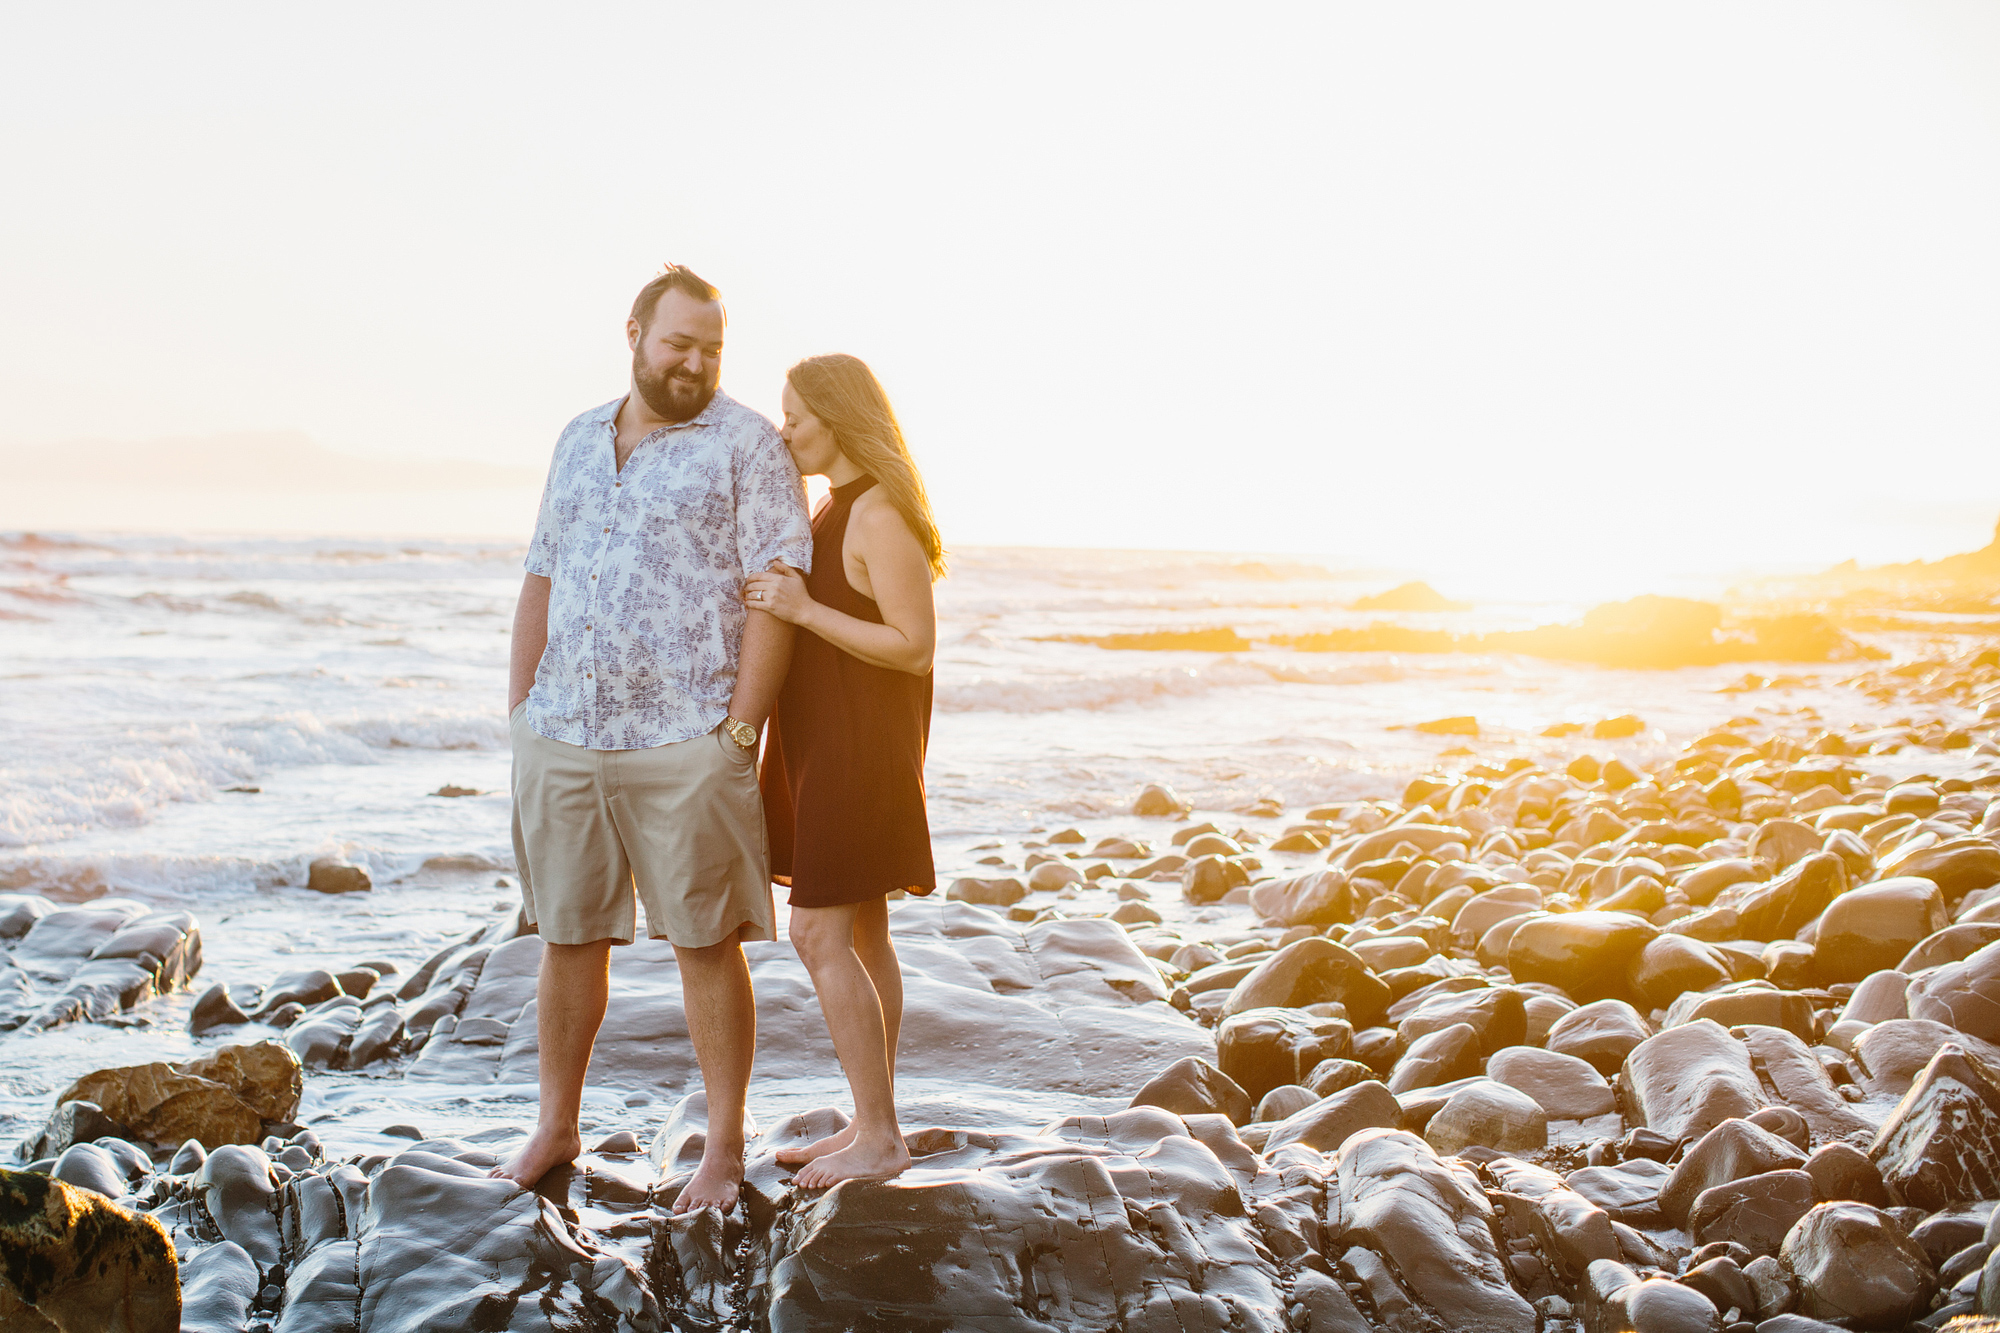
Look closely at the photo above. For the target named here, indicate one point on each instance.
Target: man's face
(677, 359)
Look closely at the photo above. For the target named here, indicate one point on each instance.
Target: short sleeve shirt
(646, 570)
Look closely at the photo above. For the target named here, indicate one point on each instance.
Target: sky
(1524, 290)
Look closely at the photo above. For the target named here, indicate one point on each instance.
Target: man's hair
(674, 277)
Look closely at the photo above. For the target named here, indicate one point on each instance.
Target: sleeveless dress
(843, 776)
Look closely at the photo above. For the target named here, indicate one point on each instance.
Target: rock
(378, 1037)
(1262, 1049)
(1784, 842)
(1615, 1298)
(1773, 1285)
(1490, 1115)
(215, 1009)
(234, 1184)
(1281, 1102)
(1628, 1192)
(1780, 908)
(987, 892)
(1871, 928)
(1686, 1080)
(1331, 1076)
(330, 875)
(72, 1122)
(1854, 1266)
(1732, 1150)
(1565, 1087)
(1208, 879)
(1495, 1013)
(1193, 1086)
(1318, 898)
(1723, 1283)
(1957, 866)
(89, 1167)
(1754, 1212)
(218, 1286)
(1442, 1057)
(1428, 1222)
(1601, 1034)
(1750, 1002)
(264, 1075)
(1950, 945)
(163, 1105)
(1314, 970)
(1941, 1145)
(1963, 995)
(80, 1262)
(1159, 801)
(1841, 1171)
(1878, 998)
(1782, 1121)
(1330, 1121)
(1052, 875)
(1673, 965)
(1585, 953)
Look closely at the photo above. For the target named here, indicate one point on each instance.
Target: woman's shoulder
(877, 520)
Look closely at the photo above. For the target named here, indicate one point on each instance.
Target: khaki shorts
(682, 824)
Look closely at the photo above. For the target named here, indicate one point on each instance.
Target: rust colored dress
(843, 776)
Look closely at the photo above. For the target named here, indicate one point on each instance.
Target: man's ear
(632, 332)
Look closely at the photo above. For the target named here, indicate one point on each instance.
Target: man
(637, 686)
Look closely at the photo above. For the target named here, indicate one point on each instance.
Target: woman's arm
(898, 575)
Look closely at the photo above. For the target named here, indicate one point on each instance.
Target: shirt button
(586, 675)
(607, 529)
(586, 627)
(593, 578)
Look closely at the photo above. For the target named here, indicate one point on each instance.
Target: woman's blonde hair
(849, 401)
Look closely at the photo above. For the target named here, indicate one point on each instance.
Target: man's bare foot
(816, 1149)
(545, 1150)
(715, 1183)
(860, 1161)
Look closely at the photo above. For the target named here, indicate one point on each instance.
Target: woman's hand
(780, 590)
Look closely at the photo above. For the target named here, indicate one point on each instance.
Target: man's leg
(825, 938)
(570, 995)
(722, 1020)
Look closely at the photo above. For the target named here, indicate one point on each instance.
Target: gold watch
(742, 733)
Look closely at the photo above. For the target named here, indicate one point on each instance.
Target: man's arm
(531, 638)
(760, 670)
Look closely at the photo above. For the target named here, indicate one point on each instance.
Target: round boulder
(1869, 929)
(1489, 1115)
(1854, 1266)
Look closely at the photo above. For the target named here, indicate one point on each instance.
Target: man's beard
(672, 395)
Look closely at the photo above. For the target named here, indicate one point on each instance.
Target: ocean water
(183, 716)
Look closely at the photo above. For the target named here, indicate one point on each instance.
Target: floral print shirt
(646, 570)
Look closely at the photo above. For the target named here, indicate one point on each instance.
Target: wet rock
(1784, 842)
(1601, 1034)
(1957, 866)
(1314, 970)
(332, 875)
(1723, 1283)
(1964, 995)
(1950, 945)
(1754, 1212)
(1565, 1087)
(161, 1104)
(1004, 892)
(1208, 879)
(1748, 1003)
(1872, 927)
(72, 1122)
(1842, 1171)
(1318, 898)
(1281, 1102)
(1686, 1080)
(1878, 998)
(1617, 1300)
(1429, 1221)
(1333, 1120)
(1262, 1049)
(1795, 1072)
(1941, 1145)
(1772, 1283)
(1158, 800)
(1489, 1115)
(1853, 1265)
(1673, 965)
(307, 988)
(1893, 1053)
(1628, 1192)
(1496, 1015)
(378, 1037)
(215, 1009)
(218, 1286)
(1585, 953)
(263, 1075)
(1193, 1086)
(76, 1261)
(1732, 1150)
(1442, 1057)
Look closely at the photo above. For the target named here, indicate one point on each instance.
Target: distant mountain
(264, 461)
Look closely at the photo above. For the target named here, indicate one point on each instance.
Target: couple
(677, 598)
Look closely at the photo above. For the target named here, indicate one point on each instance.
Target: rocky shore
(1701, 1044)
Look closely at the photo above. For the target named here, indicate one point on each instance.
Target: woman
(843, 772)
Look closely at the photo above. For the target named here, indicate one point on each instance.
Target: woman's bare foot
(545, 1150)
(816, 1149)
(715, 1183)
(869, 1160)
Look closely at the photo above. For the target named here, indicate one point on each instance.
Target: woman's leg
(878, 955)
(825, 939)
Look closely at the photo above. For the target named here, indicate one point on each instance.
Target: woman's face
(812, 444)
